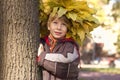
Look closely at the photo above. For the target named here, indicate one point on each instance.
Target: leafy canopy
(80, 14)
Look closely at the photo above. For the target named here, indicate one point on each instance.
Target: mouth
(57, 33)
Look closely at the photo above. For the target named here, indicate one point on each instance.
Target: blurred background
(103, 49)
(100, 55)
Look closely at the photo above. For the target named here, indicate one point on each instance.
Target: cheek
(66, 32)
(66, 29)
(48, 28)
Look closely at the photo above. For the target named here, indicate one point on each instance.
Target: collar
(47, 40)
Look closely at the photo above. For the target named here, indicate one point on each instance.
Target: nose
(59, 26)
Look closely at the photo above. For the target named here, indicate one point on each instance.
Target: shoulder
(44, 40)
(70, 42)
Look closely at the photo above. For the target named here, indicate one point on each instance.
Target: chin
(58, 37)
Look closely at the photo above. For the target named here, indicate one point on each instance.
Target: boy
(58, 55)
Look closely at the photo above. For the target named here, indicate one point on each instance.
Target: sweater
(62, 63)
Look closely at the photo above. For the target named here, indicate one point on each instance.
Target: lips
(57, 33)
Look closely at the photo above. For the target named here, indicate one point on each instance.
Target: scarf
(53, 42)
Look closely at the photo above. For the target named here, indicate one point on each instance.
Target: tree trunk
(19, 39)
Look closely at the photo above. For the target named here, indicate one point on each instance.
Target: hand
(40, 49)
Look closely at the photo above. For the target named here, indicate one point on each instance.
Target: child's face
(58, 28)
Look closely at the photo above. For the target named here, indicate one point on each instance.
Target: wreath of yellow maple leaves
(81, 15)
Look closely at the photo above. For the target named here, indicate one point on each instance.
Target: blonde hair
(64, 18)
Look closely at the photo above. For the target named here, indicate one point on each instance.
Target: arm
(41, 54)
(57, 57)
(60, 65)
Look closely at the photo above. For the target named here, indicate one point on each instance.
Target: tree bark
(19, 39)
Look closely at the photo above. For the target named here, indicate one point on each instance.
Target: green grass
(105, 70)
